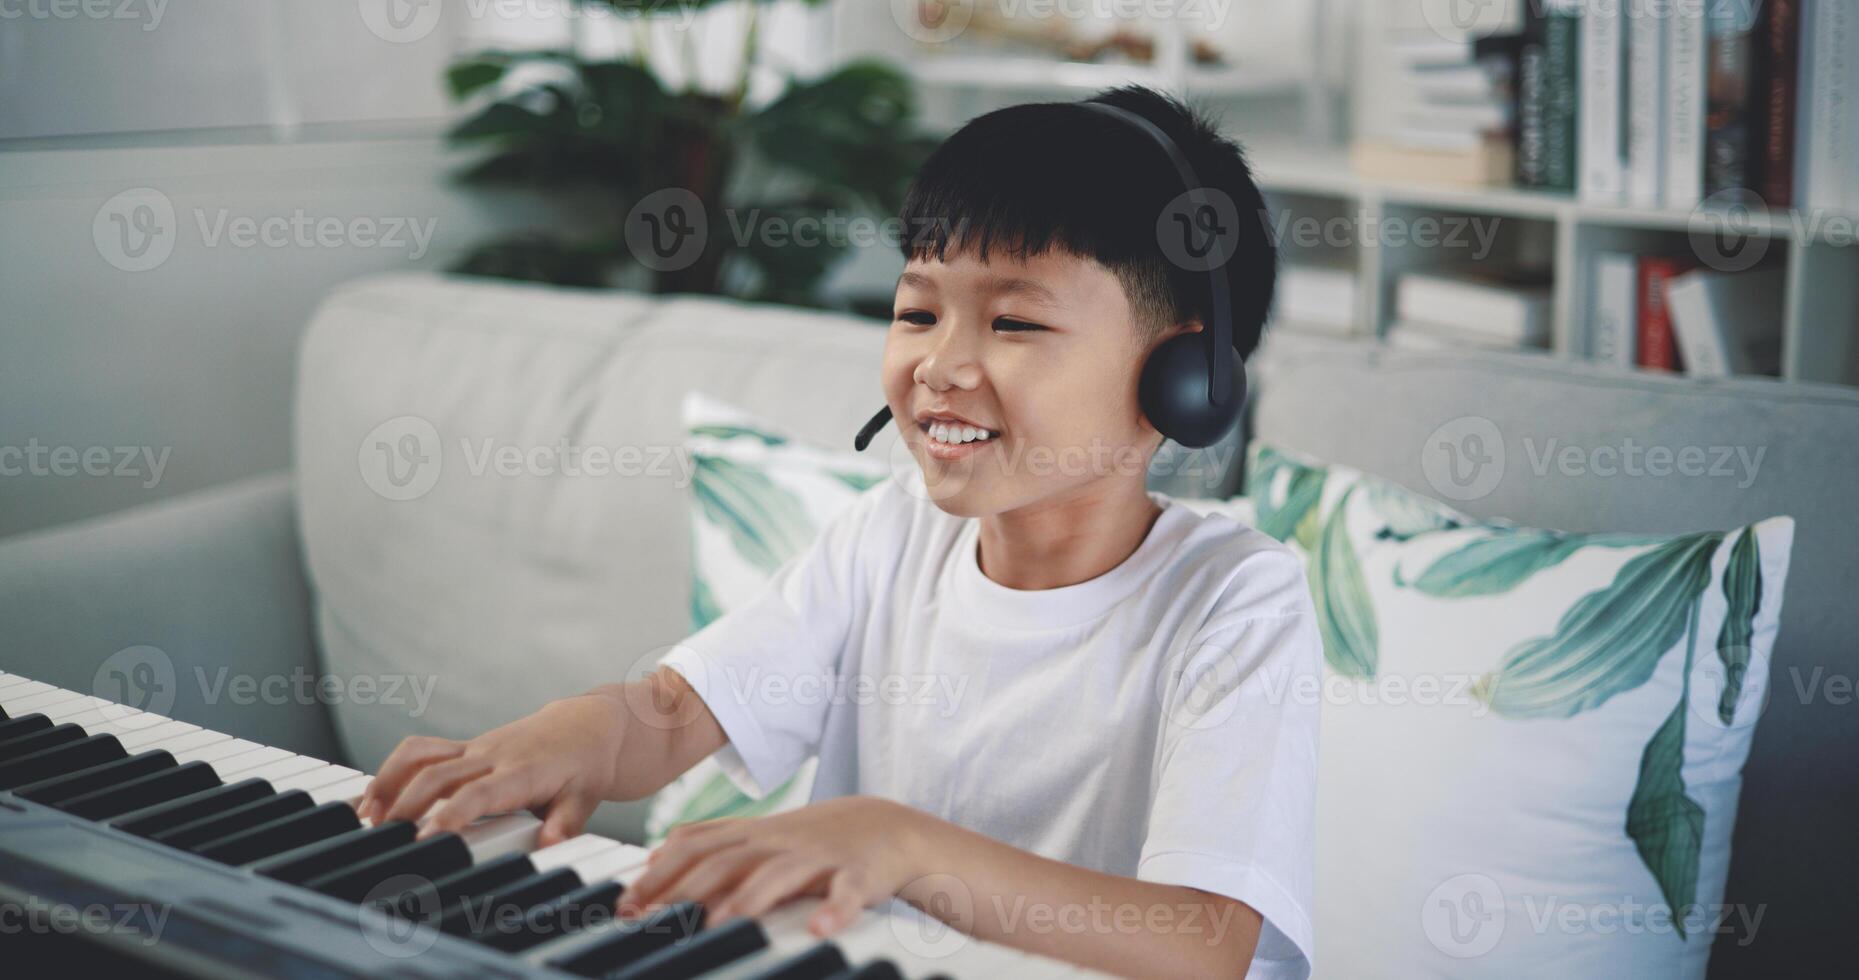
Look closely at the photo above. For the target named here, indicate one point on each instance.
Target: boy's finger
(433, 783)
(566, 816)
(411, 755)
(771, 884)
(499, 792)
(845, 899)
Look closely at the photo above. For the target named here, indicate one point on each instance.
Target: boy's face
(1042, 352)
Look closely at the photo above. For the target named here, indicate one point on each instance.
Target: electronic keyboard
(197, 854)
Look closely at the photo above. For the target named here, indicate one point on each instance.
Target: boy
(1125, 753)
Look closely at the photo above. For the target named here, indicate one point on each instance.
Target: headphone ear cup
(1174, 394)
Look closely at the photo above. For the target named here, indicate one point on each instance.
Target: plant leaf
(1742, 594)
(1301, 500)
(1667, 826)
(766, 522)
(859, 481)
(1495, 564)
(724, 430)
(1345, 613)
(1610, 640)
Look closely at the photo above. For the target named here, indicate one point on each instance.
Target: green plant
(611, 132)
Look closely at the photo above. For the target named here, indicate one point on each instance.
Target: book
(1422, 335)
(1727, 322)
(1727, 122)
(1508, 313)
(1825, 152)
(1562, 73)
(1316, 297)
(1657, 347)
(1488, 163)
(1601, 147)
(1645, 84)
(1532, 97)
(1613, 308)
(1685, 79)
(1775, 78)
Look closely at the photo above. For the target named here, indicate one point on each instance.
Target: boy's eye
(1009, 324)
(918, 317)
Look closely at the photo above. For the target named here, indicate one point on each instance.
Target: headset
(1189, 390)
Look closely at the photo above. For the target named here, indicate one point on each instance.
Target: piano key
(434, 857)
(823, 960)
(199, 834)
(509, 833)
(428, 902)
(311, 779)
(875, 970)
(623, 864)
(246, 762)
(345, 792)
(59, 788)
(150, 737)
(43, 739)
(182, 744)
(284, 835)
(560, 916)
(301, 864)
(217, 751)
(709, 950)
(503, 907)
(84, 753)
(151, 820)
(290, 765)
(155, 787)
(571, 850)
(23, 725)
(69, 710)
(43, 700)
(633, 941)
(12, 696)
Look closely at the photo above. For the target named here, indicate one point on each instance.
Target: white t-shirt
(1158, 721)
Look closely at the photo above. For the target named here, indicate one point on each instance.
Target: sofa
(435, 538)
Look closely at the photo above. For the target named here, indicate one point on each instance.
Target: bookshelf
(1820, 251)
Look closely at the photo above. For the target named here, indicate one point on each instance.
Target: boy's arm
(858, 851)
(616, 742)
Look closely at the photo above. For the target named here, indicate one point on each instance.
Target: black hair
(1030, 178)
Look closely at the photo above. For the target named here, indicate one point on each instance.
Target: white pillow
(1532, 742)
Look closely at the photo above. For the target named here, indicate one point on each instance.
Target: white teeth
(955, 435)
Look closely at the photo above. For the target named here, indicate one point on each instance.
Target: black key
(284, 835)
(709, 950)
(428, 901)
(504, 907)
(204, 831)
(875, 970)
(634, 941)
(152, 820)
(586, 906)
(23, 725)
(344, 850)
(434, 857)
(45, 738)
(818, 963)
(3, 715)
(57, 789)
(156, 787)
(94, 750)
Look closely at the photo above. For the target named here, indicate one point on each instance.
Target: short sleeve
(754, 665)
(1235, 804)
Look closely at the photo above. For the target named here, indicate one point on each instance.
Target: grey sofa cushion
(1553, 438)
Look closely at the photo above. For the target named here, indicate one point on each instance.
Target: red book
(1658, 346)
(1779, 37)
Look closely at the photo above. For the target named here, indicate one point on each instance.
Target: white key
(40, 701)
(8, 680)
(193, 740)
(137, 741)
(624, 864)
(570, 850)
(291, 765)
(217, 751)
(346, 791)
(311, 779)
(64, 712)
(14, 695)
(247, 761)
(510, 833)
(115, 719)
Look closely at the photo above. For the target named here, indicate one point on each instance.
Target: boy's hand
(856, 851)
(560, 759)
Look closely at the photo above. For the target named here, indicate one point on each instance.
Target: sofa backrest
(1562, 444)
